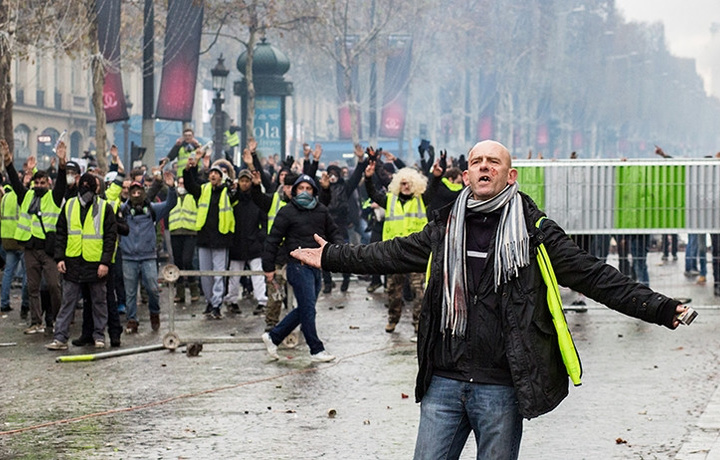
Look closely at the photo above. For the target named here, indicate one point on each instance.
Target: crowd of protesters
(82, 238)
(88, 238)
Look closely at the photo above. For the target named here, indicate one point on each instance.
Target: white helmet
(110, 177)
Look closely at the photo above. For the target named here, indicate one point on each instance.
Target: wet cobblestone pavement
(644, 388)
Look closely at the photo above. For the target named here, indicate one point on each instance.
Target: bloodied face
(489, 170)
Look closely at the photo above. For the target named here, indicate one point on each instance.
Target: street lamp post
(126, 132)
(219, 79)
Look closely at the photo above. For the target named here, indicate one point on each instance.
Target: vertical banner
(108, 24)
(180, 61)
(344, 124)
(488, 99)
(395, 90)
(268, 124)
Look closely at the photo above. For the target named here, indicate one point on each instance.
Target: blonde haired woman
(405, 207)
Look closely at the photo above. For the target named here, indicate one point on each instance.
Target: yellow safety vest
(225, 215)
(182, 159)
(403, 220)
(184, 215)
(277, 204)
(85, 238)
(452, 186)
(569, 353)
(232, 139)
(29, 225)
(9, 213)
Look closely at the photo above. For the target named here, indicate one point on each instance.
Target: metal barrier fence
(171, 340)
(634, 196)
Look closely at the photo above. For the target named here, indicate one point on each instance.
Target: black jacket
(536, 366)
(77, 269)
(250, 229)
(209, 236)
(294, 227)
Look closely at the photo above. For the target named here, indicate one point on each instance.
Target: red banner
(397, 73)
(486, 129)
(543, 138)
(577, 140)
(344, 122)
(108, 22)
(180, 62)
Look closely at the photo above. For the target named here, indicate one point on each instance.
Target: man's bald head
(490, 145)
(489, 169)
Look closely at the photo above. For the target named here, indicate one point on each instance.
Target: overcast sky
(687, 24)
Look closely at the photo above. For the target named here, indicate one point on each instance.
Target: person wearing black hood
(247, 246)
(39, 212)
(341, 192)
(294, 228)
(84, 247)
(270, 205)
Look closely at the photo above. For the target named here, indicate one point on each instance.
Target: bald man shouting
(493, 345)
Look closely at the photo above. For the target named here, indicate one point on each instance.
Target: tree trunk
(250, 102)
(6, 103)
(98, 81)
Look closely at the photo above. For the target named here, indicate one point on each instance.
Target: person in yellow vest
(85, 244)
(182, 223)
(215, 226)
(39, 212)
(9, 214)
(405, 214)
(183, 149)
(493, 346)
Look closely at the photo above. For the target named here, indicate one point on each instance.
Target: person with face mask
(294, 227)
(183, 238)
(86, 236)
(72, 177)
(39, 212)
(139, 254)
(270, 205)
(215, 225)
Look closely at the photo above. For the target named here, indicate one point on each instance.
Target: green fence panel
(532, 181)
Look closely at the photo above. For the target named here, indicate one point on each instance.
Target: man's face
(136, 192)
(287, 190)
(188, 136)
(42, 182)
(215, 178)
(125, 193)
(489, 170)
(304, 187)
(244, 183)
(406, 187)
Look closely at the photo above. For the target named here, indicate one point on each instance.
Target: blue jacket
(140, 244)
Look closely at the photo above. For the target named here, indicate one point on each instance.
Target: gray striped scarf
(512, 251)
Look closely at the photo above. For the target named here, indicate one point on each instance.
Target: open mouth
(485, 179)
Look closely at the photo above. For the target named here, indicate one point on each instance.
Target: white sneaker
(271, 347)
(322, 357)
(57, 345)
(35, 329)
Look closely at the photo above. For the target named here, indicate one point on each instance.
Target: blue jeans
(306, 282)
(451, 408)
(132, 270)
(639, 246)
(13, 259)
(691, 252)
